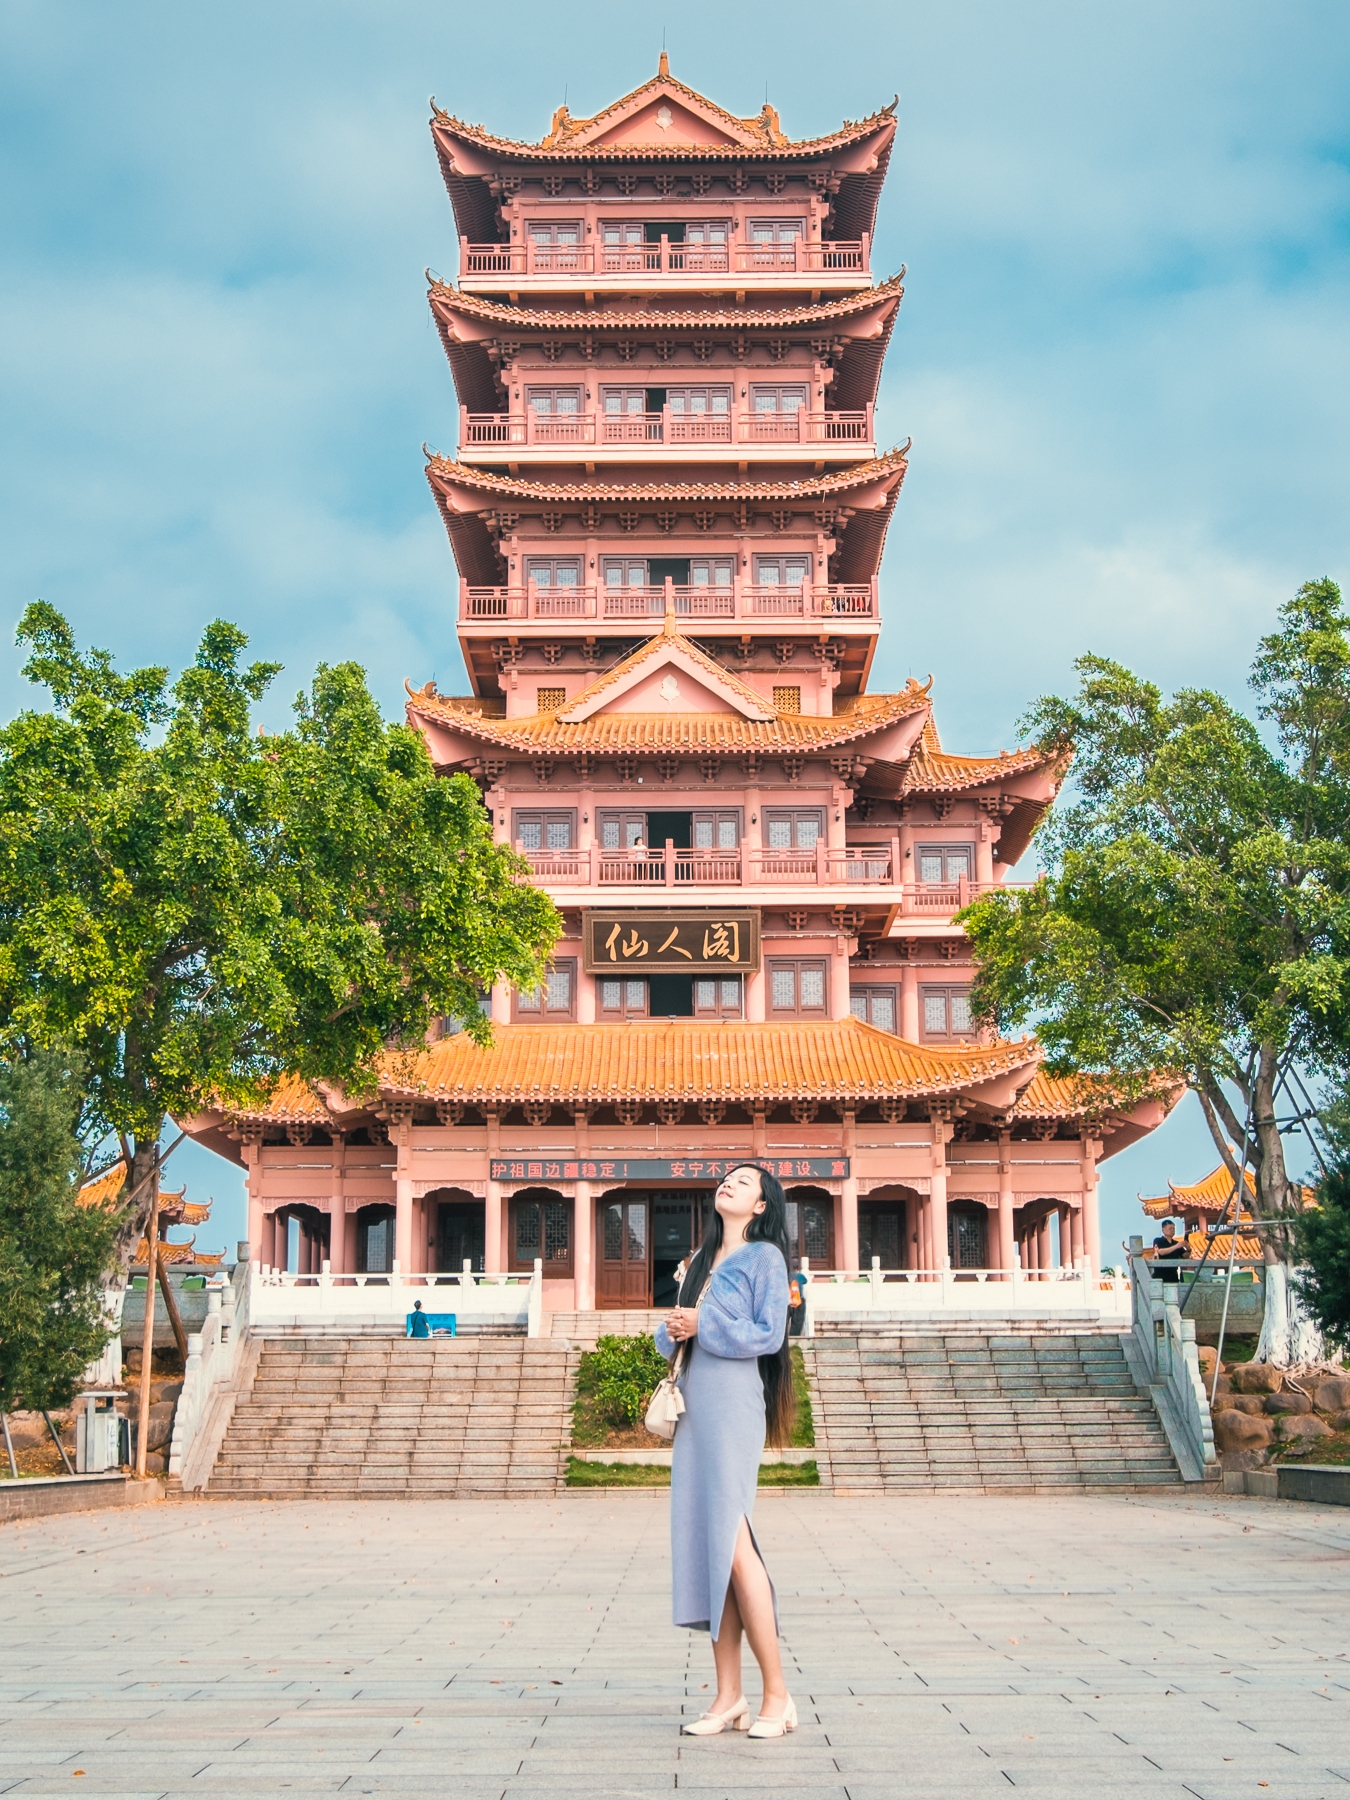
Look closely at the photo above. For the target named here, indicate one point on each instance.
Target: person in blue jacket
(420, 1325)
(736, 1379)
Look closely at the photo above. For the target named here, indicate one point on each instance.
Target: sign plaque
(651, 1168)
(705, 942)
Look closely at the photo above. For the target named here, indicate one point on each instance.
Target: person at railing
(1168, 1250)
(735, 1374)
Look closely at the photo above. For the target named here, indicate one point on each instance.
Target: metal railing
(797, 256)
(739, 600)
(531, 429)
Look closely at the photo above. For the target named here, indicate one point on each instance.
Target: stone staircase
(586, 1328)
(910, 1412)
(372, 1417)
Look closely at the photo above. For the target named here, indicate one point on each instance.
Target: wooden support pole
(171, 1307)
(148, 1333)
(9, 1446)
(56, 1438)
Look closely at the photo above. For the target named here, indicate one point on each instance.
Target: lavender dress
(718, 1441)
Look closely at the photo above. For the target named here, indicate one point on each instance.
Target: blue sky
(1122, 354)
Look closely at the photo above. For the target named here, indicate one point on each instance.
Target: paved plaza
(1074, 1646)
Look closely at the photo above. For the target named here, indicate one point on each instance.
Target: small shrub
(620, 1376)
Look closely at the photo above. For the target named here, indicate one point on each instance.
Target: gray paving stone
(937, 1645)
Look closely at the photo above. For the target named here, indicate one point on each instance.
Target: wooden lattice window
(549, 699)
(787, 699)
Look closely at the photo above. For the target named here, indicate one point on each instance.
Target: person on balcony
(1168, 1250)
(736, 1379)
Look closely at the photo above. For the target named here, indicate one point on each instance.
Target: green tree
(195, 908)
(53, 1252)
(1324, 1245)
(1195, 917)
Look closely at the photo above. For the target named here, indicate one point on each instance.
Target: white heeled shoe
(779, 1727)
(737, 1716)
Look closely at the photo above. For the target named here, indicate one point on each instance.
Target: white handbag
(666, 1406)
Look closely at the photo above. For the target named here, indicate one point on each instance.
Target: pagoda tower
(667, 508)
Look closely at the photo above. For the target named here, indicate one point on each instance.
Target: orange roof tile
(705, 732)
(596, 1064)
(443, 473)
(592, 318)
(177, 1253)
(709, 734)
(103, 1189)
(931, 772)
(1211, 1195)
(1070, 1097)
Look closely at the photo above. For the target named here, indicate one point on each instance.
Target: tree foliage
(1195, 916)
(1323, 1236)
(196, 908)
(52, 1251)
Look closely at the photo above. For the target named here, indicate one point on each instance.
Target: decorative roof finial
(664, 65)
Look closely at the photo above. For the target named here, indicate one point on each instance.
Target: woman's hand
(682, 1323)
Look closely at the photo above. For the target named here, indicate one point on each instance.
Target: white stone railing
(984, 1293)
(212, 1360)
(1163, 1358)
(282, 1301)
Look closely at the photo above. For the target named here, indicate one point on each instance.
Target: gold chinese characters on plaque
(703, 941)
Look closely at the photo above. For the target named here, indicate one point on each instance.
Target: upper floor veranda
(665, 187)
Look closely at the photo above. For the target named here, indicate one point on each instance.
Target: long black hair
(767, 1227)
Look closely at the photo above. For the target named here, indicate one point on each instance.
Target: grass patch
(804, 1425)
(595, 1474)
(1240, 1349)
(1334, 1450)
(789, 1475)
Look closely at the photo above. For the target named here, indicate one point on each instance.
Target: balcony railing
(744, 866)
(797, 257)
(530, 429)
(742, 600)
(858, 865)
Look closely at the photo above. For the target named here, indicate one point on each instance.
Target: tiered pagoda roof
(858, 326)
(470, 498)
(660, 123)
(106, 1188)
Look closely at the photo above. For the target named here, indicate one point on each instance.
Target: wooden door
(623, 1266)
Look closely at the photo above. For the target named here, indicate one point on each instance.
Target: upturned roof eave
(804, 1054)
(446, 125)
(444, 295)
(888, 468)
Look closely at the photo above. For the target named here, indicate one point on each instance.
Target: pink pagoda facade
(667, 508)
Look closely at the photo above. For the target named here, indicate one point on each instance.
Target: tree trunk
(1289, 1338)
(132, 1228)
(1288, 1335)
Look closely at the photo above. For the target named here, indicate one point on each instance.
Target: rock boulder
(1301, 1429)
(1257, 1378)
(1235, 1430)
(1246, 1403)
(1333, 1394)
(1286, 1401)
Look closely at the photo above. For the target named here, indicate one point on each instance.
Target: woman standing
(736, 1381)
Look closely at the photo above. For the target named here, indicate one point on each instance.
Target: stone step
(922, 1412)
(350, 1417)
